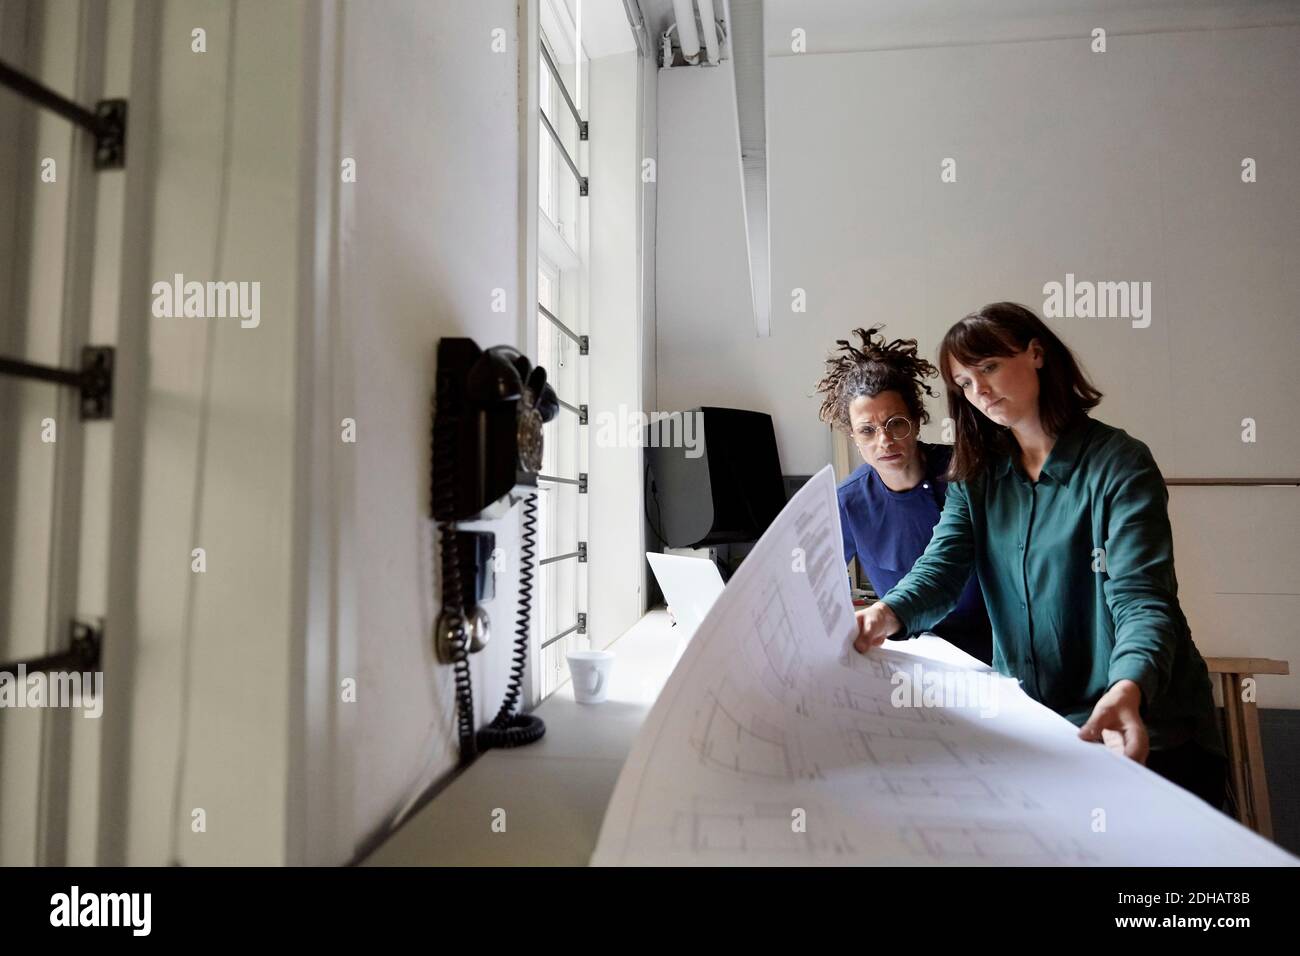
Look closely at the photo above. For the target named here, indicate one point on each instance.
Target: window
(547, 187)
(560, 580)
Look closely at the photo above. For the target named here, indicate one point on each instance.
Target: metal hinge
(582, 552)
(110, 137)
(584, 344)
(582, 414)
(582, 622)
(582, 482)
(106, 122)
(86, 638)
(94, 380)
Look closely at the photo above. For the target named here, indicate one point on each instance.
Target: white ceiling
(605, 30)
(834, 26)
(843, 25)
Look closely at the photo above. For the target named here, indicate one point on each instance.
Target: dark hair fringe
(1065, 394)
(874, 366)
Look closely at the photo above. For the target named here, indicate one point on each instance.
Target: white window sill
(554, 792)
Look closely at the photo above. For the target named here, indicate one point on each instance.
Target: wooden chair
(1248, 784)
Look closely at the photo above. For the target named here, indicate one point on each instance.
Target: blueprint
(775, 742)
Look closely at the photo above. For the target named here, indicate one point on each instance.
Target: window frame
(560, 264)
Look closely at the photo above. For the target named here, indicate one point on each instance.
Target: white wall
(705, 351)
(432, 227)
(33, 252)
(1238, 550)
(1123, 165)
(1116, 184)
(319, 553)
(427, 233)
(647, 232)
(848, 26)
(206, 657)
(615, 546)
(199, 452)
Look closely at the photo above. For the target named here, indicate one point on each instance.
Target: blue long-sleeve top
(888, 530)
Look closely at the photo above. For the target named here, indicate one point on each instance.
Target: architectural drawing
(775, 742)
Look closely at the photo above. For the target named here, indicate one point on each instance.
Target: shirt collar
(936, 466)
(1065, 453)
(1063, 457)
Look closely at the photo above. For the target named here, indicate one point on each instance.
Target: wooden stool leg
(1260, 808)
(1236, 747)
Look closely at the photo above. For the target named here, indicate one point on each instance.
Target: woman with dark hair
(892, 501)
(1065, 521)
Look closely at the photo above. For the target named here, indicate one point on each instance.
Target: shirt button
(1021, 547)
(1022, 605)
(925, 485)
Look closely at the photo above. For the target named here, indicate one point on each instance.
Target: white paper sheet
(774, 742)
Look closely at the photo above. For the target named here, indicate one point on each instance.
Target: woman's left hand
(1116, 723)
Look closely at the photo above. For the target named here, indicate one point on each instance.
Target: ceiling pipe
(745, 29)
(637, 21)
(687, 35)
(709, 24)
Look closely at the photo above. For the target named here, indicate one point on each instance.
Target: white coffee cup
(590, 672)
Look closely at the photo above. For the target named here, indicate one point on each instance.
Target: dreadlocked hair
(874, 366)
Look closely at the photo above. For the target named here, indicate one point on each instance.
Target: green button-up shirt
(1077, 571)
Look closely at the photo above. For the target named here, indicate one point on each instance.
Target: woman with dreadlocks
(892, 501)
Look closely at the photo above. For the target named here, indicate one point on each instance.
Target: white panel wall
(1123, 165)
(1138, 179)
(223, 687)
(647, 222)
(209, 718)
(704, 313)
(44, 43)
(429, 230)
(615, 548)
(1237, 559)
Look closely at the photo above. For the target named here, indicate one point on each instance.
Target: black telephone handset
(489, 409)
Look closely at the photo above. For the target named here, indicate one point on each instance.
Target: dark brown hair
(873, 367)
(1004, 328)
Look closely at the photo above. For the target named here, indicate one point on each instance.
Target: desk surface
(553, 792)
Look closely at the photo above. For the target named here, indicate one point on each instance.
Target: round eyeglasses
(896, 429)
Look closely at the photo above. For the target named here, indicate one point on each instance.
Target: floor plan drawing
(775, 742)
(997, 843)
(740, 745)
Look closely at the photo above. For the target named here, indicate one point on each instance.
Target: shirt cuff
(1138, 671)
(902, 611)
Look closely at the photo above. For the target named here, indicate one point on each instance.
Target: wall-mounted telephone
(489, 409)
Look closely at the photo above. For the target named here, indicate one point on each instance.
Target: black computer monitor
(714, 476)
